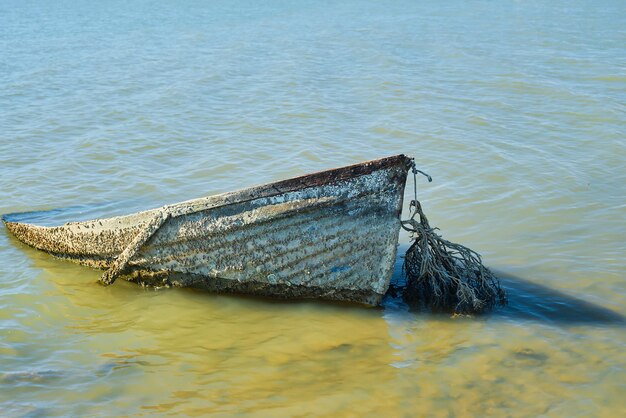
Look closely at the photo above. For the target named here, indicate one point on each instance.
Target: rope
(442, 275)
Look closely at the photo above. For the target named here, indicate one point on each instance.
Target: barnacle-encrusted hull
(330, 235)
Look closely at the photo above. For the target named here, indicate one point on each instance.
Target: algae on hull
(330, 235)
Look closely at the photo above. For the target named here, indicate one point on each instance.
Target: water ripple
(516, 108)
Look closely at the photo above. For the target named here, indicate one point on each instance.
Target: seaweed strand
(442, 275)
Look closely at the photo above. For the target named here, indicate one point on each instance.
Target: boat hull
(329, 235)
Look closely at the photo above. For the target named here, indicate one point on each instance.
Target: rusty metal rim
(265, 190)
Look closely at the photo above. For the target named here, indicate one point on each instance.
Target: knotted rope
(442, 275)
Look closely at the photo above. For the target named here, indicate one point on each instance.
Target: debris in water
(442, 275)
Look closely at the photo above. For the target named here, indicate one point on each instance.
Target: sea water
(516, 108)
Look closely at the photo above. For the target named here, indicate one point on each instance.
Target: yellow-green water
(517, 109)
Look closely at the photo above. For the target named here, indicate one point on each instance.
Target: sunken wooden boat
(329, 235)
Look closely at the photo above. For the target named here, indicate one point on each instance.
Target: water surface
(517, 109)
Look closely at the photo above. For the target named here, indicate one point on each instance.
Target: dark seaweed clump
(444, 276)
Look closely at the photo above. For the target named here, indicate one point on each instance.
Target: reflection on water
(515, 108)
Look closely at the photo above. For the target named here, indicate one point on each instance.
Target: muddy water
(515, 108)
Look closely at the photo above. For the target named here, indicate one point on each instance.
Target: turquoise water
(516, 108)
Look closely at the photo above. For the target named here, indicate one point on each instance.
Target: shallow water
(517, 109)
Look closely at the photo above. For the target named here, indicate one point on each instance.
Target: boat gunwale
(265, 190)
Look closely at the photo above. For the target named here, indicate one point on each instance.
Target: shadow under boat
(530, 301)
(527, 300)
